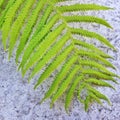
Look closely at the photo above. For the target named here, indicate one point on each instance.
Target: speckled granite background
(18, 100)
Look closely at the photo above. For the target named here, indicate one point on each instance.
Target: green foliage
(44, 36)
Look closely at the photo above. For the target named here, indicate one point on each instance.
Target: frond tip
(44, 39)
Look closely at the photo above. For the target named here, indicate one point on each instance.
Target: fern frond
(89, 19)
(4, 12)
(65, 84)
(45, 44)
(54, 65)
(18, 24)
(95, 98)
(87, 102)
(92, 94)
(98, 74)
(71, 91)
(10, 15)
(91, 97)
(95, 56)
(43, 20)
(87, 33)
(97, 93)
(46, 41)
(96, 65)
(98, 82)
(49, 55)
(81, 7)
(28, 28)
(38, 38)
(60, 76)
(91, 47)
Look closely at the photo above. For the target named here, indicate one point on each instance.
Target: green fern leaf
(82, 7)
(88, 19)
(95, 56)
(18, 24)
(95, 98)
(98, 75)
(54, 65)
(98, 82)
(91, 48)
(64, 85)
(45, 40)
(8, 20)
(97, 93)
(37, 39)
(71, 91)
(43, 21)
(28, 28)
(96, 65)
(87, 102)
(59, 77)
(87, 33)
(4, 11)
(49, 55)
(45, 44)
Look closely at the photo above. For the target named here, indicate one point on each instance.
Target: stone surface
(18, 100)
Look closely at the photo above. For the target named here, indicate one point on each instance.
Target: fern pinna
(44, 36)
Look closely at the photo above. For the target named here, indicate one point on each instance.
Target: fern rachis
(45, 37)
